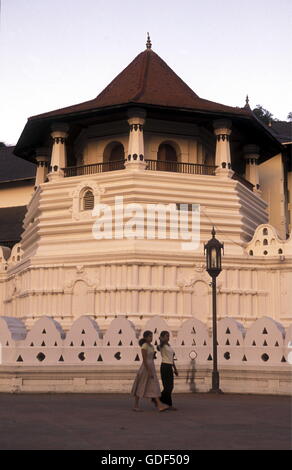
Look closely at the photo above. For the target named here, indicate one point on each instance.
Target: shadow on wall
(191, 375)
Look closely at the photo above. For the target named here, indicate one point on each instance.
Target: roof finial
(148, 43)
(247, 102)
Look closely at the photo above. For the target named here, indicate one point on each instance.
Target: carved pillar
(42, 158)
(135, 159)
(58, 157)
(222, 130)
(251, 156)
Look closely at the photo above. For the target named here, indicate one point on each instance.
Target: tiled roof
(13, 168)
(11, 219)
(147, 80)
(282, 130)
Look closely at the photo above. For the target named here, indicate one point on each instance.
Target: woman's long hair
(161, 344)
(145, 335)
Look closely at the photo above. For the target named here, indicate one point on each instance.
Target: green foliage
(263, 114)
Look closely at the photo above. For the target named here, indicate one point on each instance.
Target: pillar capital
(222, 126)
(136, 113)
(222, 130)
(251, 151)
(42, 156)
(251, 155)
(135, 158)
(58, 158)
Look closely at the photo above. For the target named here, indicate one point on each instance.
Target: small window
(88, 201)
(265, 231)
(265, 241)
(280, 251)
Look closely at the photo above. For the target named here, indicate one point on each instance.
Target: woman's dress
(144, 385)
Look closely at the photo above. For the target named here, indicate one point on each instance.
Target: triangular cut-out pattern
(108, 344)
(7, 344)
(71, 344)
(120, 332)
(100, 359)
(244, 358)
(182, 343)
(131, 343)
(227, 343)
(19, 359)
(31, 344)
(209, 358)
(265, 331)
(118, 356)
(193, 331)
(120, 343)
(194, 343)
(276, 344)
(155, 331)
(61, 359)
(83, 332)
(44, 332)
(137, 358)
(237, 343)
(253, 343)
(227, 331)
(82, 343)
(204, 344)
(283, 359)
(95, 343)
(55, 343)
(43, 343)
(265, 343)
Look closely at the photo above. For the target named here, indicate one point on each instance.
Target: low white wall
(105, 379)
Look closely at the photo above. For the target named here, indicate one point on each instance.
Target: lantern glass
(213, 256)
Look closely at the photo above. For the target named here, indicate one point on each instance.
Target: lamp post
(213, 267)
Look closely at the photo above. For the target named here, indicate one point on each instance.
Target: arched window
(88, 200)
(114, 157)
(166, 158)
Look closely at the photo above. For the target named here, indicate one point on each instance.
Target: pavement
(107, 422)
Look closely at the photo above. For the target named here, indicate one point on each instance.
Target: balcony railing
(181, 167)
(242, 180)
(154, 165)
(94, 168)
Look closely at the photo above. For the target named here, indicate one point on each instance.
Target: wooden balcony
(153, 165)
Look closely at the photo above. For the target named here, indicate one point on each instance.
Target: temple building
(147, 139)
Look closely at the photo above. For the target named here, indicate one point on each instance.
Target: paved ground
(107, 422)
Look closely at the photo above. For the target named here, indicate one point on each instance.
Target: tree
(289, 117)
(263, 114)
(2, 145)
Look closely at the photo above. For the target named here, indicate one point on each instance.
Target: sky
(55, 53)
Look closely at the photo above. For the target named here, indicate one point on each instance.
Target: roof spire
(247, 102)
(148, 43)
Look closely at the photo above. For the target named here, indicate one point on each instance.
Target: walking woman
(146, 383)
(167, 369)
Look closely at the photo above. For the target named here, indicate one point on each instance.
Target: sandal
(164, 409)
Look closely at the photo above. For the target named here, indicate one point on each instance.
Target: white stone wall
(264, 343)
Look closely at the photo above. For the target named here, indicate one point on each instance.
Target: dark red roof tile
(147, 80)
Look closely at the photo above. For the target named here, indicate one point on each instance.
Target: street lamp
(213, 267)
